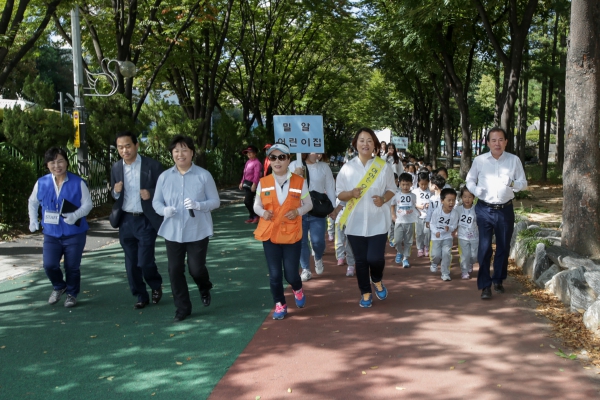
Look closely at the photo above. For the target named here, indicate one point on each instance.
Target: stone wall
(573, 278)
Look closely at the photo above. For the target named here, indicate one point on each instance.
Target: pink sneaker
(466, 276)
(350, 270)
(331, 238)
(341, 261)
(426, 252)
(420, 253)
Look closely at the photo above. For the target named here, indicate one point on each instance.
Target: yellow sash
(365, 184)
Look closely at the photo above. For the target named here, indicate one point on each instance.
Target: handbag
(322, 206)
(247, 184)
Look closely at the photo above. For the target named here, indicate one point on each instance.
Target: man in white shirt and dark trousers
(133, 180)
(493, 178)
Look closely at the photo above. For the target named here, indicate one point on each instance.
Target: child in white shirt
(404, 214)
(423, 194)
(436, 184)
(442, 223)
(468, 234)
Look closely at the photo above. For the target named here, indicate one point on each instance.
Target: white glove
(34, 226)
(169, 211)
(505, 180)
(70, 218)
(479, 191)
(190, 204)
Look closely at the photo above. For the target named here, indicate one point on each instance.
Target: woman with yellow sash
(365, 184)
(283, 199)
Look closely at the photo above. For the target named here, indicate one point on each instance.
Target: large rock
(582, 295)
(527, 266)
(567, 259)
(548, 233)
(547, 275)
(540, 263)
(519, 226)
(593, 279)
(591, 318)
(559, 285)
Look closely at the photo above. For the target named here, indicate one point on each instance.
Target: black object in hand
(191, 213)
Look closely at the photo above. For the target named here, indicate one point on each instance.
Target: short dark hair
(370, 131)
(464, 189)
(495, 129)
(53, 152)
(183, 140)
(437, 171)
(405, 177)
(446, 192)
(438, 181)
(423, 176)
(411, 165)
(127, 133)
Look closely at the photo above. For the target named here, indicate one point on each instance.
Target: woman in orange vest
(283, 199)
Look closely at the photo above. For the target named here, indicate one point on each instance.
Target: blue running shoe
(299, 297)
(391, 243)
(280, 311)
(380, 290)
(366, 300)
(405, 264)
(398, 258)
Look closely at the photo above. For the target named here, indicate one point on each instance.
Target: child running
(436, 184)
(343, 251)
(405, 215)
(468, 235)
(442, 223)
(423, 194)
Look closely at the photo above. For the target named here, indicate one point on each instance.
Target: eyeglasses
(281, 157)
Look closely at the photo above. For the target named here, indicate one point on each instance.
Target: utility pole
(79, 116)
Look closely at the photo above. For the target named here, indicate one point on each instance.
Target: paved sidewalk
(429, 340)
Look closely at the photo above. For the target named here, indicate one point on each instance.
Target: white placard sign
(400, 142)
(301, 133)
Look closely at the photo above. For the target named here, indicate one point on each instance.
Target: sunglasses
(281, 157)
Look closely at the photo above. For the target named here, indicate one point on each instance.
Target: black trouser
(138, 239)
(249, 201)
(196, 261)
(369, 255)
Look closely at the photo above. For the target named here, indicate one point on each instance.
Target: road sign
(400, 142)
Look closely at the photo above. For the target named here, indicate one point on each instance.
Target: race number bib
(423, 198)
(442, 223)
(405, 202)
(466, 221)
(51, 218)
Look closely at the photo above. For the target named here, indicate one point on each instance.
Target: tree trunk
(435, 137)
(581, 171)
(519, 119)
(447, 126)
(560, 112)
(497, 94)
(542, 130)
(524, 100)
(550, 102)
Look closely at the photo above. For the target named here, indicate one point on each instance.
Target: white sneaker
(433, 268)
(319, 266)
(350, 270)
(446, 278)
(305, 275)
(331, 237)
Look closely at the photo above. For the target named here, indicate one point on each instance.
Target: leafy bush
(36, 130)
(454, 179)
(17, 177)
(416, 149)
(523, 194)
(534, 136)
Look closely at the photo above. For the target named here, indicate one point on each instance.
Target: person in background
(422, 232)
(283, 199)
(394, 161)
(494, 178)
(468, 235)
(250, 178)
(133, 180)
(320, 179)
(185, 195)
(64, 232)
(343, 251)
(443, 223)
(266, 163)
(404, 215)
(365, 218)
(383, 150)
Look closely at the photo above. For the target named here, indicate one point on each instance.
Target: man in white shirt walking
(493, 178)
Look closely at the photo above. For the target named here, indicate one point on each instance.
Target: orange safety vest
(279, 229)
